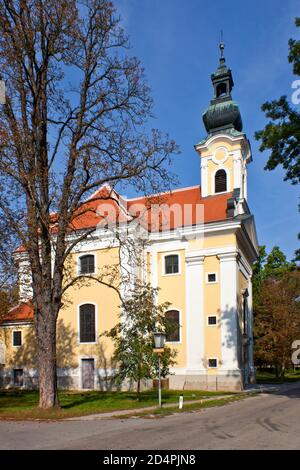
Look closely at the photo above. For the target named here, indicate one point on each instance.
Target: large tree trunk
(46, 337)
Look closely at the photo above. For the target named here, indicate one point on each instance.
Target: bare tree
(74, 119)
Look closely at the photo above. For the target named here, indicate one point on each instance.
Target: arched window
(173, 318)
(87, 325)
(221, 90)
(220, 181)
(171, 264)
(87, 264)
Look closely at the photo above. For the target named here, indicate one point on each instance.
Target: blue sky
(177, 43)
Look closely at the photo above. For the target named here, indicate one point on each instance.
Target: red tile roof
(95, 210)
(21, 313)
(108, 206)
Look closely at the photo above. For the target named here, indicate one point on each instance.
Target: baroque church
(202, 265)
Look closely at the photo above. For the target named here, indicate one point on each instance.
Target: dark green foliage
(276, 314)
(282, 133)
(277, 321)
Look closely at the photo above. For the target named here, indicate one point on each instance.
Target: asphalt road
(260, 422)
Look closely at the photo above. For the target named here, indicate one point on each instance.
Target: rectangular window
(87, 264)
(212, 320)
(173, 335)
(171, 264)
(18, 377)
(212, 363)
(17, 338)
(211, 277)
(87, 323)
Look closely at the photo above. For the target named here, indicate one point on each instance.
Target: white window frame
(96, 322)
(211, 282)
(80, 372)
(213, 180)
(79, 264)
(164, 264)
(212, 359)
(207, 322)
(12, 339)
(180, 326)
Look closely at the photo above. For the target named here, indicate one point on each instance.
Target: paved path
(261, 422)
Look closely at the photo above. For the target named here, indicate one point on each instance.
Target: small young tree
(277, 320)
(139, 317)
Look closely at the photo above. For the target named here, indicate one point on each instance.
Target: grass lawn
(268, 376)
(192, 407)
(18, 404)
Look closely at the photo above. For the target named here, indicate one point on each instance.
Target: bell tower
(225, 152)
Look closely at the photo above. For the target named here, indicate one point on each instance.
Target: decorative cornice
(194, 258)
(230, 256)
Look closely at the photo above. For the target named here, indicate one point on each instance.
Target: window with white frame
(87, 323)
(17, 338)
(220, 181)
(87, 264)
(211, 278)
(173, 318)
(171, 264)
(212, 320)
(212, 363)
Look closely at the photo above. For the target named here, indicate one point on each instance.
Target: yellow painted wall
(216, 149)
(107, 308)
(230, 146)
(19, 356)
(209, 241)
(172, 289)
(212, 345)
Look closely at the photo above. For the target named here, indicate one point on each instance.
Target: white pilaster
(194, 312)
(237, 169)
(154, 268)
(245, 183)
(250, 323)
(204, 177)
(228, 285)
(25, 280)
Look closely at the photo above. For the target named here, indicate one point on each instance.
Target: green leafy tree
(269, 272)
(276, 263)
(258, 270)
(272, 264)
(281, 135)
(139, 317)
(277, 321)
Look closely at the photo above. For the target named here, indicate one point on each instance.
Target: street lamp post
(159, 344)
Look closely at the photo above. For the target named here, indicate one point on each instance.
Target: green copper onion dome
(223, 114)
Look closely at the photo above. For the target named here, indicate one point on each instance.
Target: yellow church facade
(201, 261)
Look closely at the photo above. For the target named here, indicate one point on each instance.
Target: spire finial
(222, 47)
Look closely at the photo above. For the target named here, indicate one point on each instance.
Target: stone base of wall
(221, 380)
(70, 380)
(213, 382)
